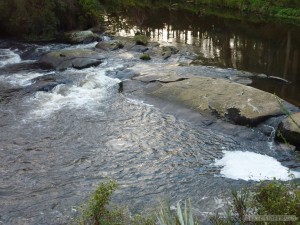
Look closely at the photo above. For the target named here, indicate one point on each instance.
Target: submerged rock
(238, 103)
(78, 37)
(289, 130)
(76, 58)
(46, 83)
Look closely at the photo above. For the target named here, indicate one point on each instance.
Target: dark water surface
(264, 47)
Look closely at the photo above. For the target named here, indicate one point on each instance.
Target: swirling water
(57, 145)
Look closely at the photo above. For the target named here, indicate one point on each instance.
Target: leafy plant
(184, 216)
(96, 207)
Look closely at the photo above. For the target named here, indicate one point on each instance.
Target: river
(59, 141)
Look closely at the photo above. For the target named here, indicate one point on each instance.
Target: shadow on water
(261, 47)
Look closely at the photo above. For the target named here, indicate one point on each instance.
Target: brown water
(261, 47)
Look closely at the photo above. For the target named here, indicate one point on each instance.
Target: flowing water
(61, 133)
(269, 48)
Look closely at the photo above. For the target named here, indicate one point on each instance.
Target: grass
(267, 198)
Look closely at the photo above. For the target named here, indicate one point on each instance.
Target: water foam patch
(83, 46)
(21, 79)
(8, 57)
(252, 166)
(88, 93)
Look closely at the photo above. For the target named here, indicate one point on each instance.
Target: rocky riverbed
(72, 115)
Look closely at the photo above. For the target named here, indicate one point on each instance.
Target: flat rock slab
(235, 102)
(289, 129)
(76, 58)
(160, 72)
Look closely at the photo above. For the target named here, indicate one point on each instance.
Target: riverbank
(287, 10)
(244, 207)
(35, 23)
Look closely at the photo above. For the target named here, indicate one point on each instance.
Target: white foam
(83, 46)
(138, 102)
(88, 94)
(21, 79)
(252, 166)
(8, 57)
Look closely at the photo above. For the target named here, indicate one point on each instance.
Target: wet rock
(46, 83)
(127, 42)
(167, 51)
(77, 37)
(110, 45)
(139, 48)
(289, 130)
(235, 102)
(241, 80)
(161, 73)
(76, 58)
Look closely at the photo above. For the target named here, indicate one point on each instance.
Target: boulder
(231, 101)
(109, 45)
(289, 130)
(163, 51)
(76, 58)
(78, 37)
(167, 51)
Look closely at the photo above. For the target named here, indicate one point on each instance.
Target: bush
(43, 19)
(275, 198)
(96, 207)
(267, 199)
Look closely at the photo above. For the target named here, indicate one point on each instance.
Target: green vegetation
(145, 56)
(267, 198)
(181, 217)
(97, 212)
(141, 39)
(96, 207)
(43, 19)
(284, 9)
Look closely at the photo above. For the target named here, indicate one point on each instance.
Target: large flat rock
(289, 129)
(75, 58)
(238, 103)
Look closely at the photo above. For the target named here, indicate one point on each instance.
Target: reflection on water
(266, 48)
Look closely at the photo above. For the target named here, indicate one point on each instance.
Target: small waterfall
(7, 57)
